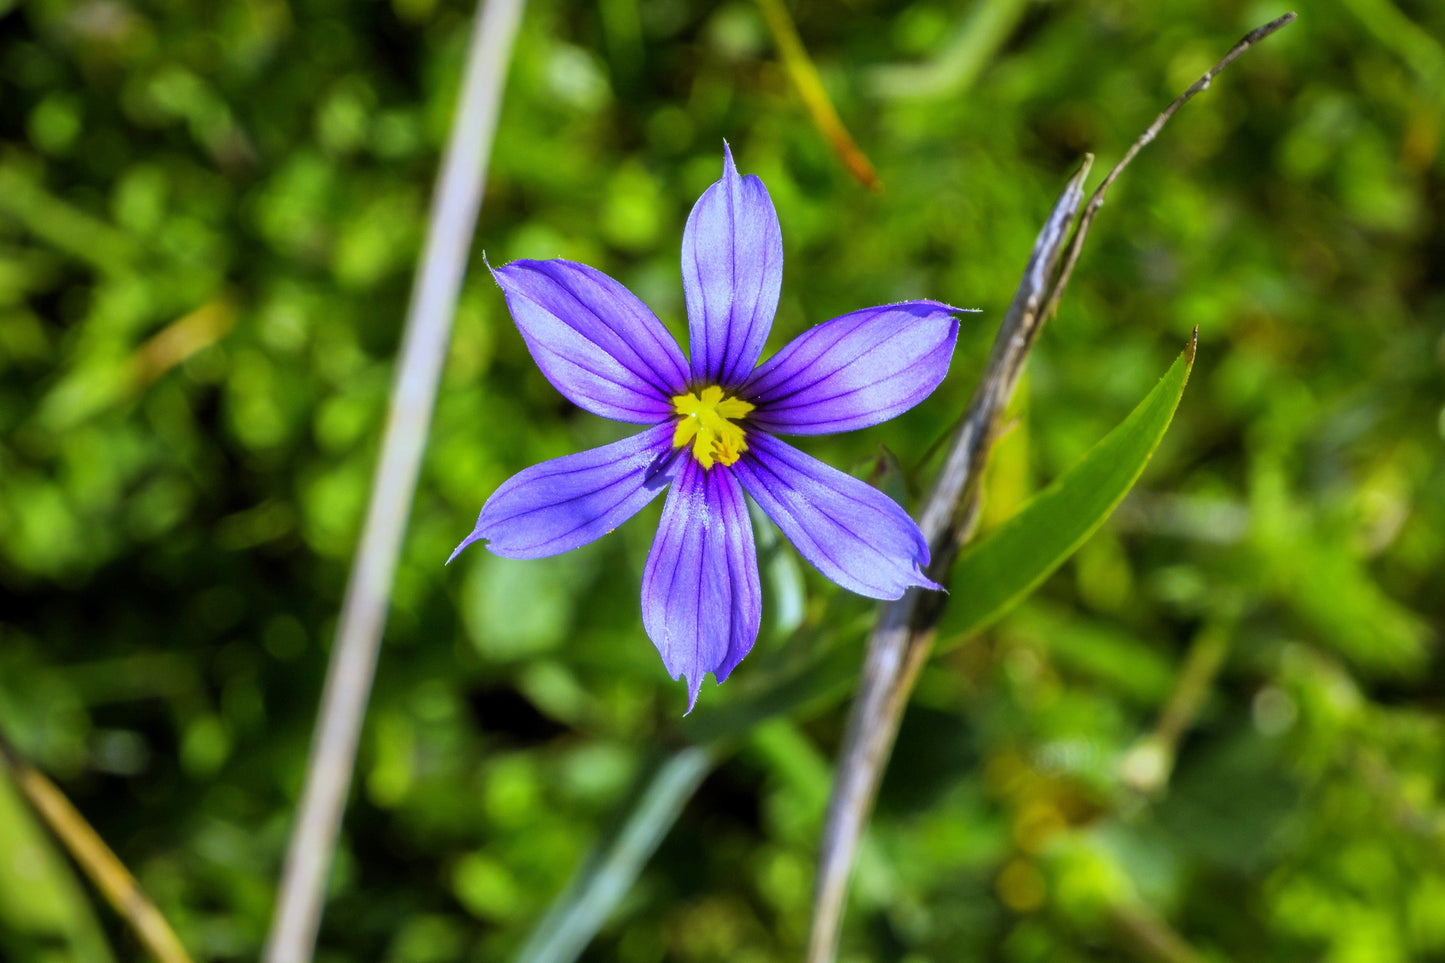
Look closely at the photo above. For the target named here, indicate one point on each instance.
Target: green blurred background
(1216, 731)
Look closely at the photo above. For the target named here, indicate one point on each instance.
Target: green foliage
(208, 219)
(997, 570)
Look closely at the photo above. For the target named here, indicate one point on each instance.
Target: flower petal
(567, 502)
(851, 532)
(858, 370)
(594, 340)
(701, 602)
(732, 271)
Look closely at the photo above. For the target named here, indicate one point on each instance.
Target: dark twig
(901, 640)
(453, 219)
(93, 856)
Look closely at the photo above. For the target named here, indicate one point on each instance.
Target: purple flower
(712, 427)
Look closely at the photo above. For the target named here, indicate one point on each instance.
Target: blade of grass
(453, 219)
(1412, 43)
(41, 900)
(94, 857)
(954, 70)
(589, 901)
(1148, 764)
(815, 97)
(62, 225)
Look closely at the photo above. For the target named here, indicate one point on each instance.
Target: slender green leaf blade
(996, 572)
(589, 901)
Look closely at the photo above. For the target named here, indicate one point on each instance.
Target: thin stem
(94, 857)
(1149, 763)
(815, 97)
(453, 219)
(899, 645)
(1096, 201)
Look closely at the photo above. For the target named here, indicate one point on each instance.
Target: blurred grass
(42, 904)
(172, 552)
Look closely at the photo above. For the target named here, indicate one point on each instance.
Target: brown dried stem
(93, 856)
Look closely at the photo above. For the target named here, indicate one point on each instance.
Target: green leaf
(995, 573)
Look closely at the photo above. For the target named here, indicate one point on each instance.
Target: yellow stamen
(707, 422)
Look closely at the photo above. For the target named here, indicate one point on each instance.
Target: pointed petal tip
(732, 274)
(942, 306)
(701, 593)
(848, 530)
(946, 307)
(856, 370)
(924, 582)
(462, 547)
(565, 503)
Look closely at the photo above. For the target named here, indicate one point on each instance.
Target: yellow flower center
(707, 422)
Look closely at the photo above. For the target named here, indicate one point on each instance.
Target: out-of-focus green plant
(208, 216)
